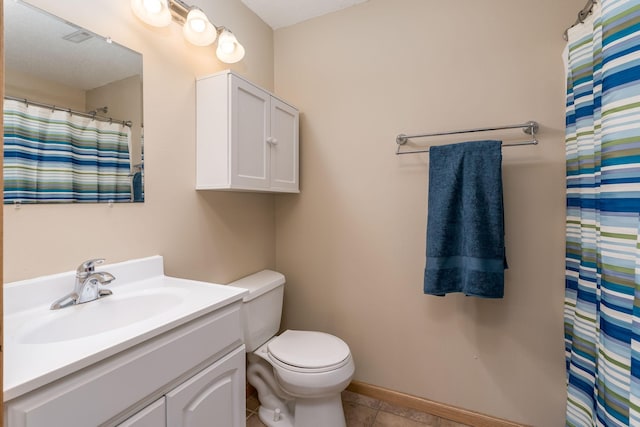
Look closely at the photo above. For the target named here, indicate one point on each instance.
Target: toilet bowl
(299, 375)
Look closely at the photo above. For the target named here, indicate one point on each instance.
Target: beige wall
(124, 102)
(352, 244)
(23, 85)
(203, 235)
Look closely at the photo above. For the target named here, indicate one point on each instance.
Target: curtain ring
(581, 18)
(582, 15)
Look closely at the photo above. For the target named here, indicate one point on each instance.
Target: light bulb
(152, 12)
(227, 46)
(152, 6)
(227, 42)
(229, 50)
(198, 25)
(197, 29)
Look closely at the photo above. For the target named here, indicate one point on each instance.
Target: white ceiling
(282, 13)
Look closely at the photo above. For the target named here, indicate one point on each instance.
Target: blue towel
(138, 195)
(465, 223)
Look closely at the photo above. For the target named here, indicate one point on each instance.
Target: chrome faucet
(89, 285)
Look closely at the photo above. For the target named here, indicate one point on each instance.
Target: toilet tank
(262, 307)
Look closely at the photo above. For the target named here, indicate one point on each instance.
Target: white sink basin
(42, 345)
(95, 317)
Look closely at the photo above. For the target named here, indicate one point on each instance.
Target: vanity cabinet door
(249, 134)
(152, 416)
(213, 397)
(284, 146)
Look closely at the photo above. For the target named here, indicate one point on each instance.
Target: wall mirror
(72, 113)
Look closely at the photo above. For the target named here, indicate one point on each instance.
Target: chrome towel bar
(530, 128)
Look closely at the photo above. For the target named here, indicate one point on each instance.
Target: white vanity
(160, 351)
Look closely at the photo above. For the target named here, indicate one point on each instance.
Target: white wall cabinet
(247, 138)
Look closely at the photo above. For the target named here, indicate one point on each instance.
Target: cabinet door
(249, 132)
(214, 397)
(151, 416)
(284, 146)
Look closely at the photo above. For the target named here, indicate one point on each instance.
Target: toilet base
(321, 412)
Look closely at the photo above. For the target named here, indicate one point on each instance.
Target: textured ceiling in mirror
(34, 43)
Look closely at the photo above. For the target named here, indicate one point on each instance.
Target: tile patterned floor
(363, 411)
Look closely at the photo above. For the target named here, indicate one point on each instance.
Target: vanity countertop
(43, 345)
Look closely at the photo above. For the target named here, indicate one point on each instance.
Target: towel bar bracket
(532, 128)
(402, 139)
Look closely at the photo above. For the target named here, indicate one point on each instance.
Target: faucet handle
(88, 267)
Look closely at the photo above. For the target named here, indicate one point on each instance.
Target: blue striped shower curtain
(54, 156)
(602, 296)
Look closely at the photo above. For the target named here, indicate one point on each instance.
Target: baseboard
(452, 413)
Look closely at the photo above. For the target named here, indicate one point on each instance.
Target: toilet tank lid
(259, 283)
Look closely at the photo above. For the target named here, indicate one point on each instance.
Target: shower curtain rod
(52, 107)
(530, 128)
(582, 15)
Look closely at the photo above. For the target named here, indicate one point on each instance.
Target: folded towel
(138, 195)
(465, 223)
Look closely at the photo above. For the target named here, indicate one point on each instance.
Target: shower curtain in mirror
(55, 156)
(602, 294)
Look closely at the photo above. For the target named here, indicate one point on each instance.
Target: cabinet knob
(271, 140)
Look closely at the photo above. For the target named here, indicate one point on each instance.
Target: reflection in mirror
(72, 113)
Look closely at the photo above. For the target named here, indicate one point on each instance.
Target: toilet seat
(308, 351)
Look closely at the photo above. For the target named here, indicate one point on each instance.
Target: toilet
(299, 375)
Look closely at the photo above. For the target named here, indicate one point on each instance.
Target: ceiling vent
(78, 36)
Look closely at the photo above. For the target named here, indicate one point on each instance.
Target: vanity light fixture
(197, 28)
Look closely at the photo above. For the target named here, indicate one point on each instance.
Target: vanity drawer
(142, 373)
